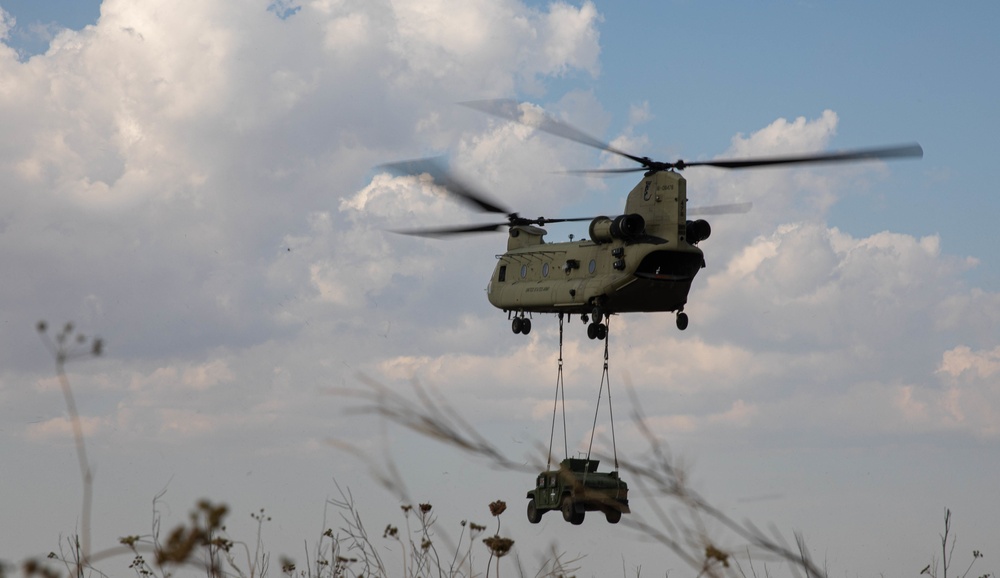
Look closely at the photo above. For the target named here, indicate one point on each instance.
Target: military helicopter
(643, 260)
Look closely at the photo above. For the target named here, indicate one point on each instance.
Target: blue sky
(37, 20)
(194, 181)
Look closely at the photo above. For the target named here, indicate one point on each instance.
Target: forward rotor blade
(609, 172)
(512, 110)
(899, 151)
(442, 177)
(448, 231)
(542, 221)
(732, 209)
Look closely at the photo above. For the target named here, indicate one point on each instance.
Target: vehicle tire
(515, 325)
(682, 321)
(534, 516)
(602, 331)
(614, 515)
(578, 518)
(567, 509)
(592, 331)
(525, 326)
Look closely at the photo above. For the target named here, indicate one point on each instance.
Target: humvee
(576, 488)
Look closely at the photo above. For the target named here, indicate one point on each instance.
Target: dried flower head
(498, 507)
(424, 508)
(713, 554)
(498, 546)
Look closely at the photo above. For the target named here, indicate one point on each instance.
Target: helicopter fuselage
(643, 260)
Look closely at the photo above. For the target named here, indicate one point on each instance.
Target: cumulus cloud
(6, 23)
(962, 362)
(166, 158)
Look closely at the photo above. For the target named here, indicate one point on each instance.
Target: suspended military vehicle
(577, 488)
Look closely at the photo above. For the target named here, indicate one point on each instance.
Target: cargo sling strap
(560, 396)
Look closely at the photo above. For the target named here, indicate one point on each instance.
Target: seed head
(498, 507)
(498, 546)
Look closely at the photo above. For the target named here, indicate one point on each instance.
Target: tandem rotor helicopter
(643, 260)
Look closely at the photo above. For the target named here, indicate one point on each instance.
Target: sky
(196, 183)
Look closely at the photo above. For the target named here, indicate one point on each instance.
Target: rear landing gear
(682, 320)
(597, 330)
(521, 325)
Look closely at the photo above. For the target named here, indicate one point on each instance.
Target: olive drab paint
(639, 261)
(576, 488)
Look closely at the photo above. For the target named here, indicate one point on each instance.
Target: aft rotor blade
(899, 151)
(448, 231)
(511, 110)
(731, 209)
(442, 177)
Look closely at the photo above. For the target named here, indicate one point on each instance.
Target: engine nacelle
(624, 227)
(697, 231)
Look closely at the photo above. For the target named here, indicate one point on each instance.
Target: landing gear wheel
(525, 326)
(613, 515)
(517, 325)
(682, 321)
(602, 331)
(592, 331)
(534, 516)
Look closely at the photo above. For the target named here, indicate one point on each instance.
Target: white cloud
(639, 113)
(961, 363)
(574, 39)
(784, 137)
(169, 153)
(972, 397)
(60, 430)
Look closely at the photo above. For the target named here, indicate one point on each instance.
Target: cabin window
(502, 275)
(524, 271)
(545, 270)
(593, 266)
